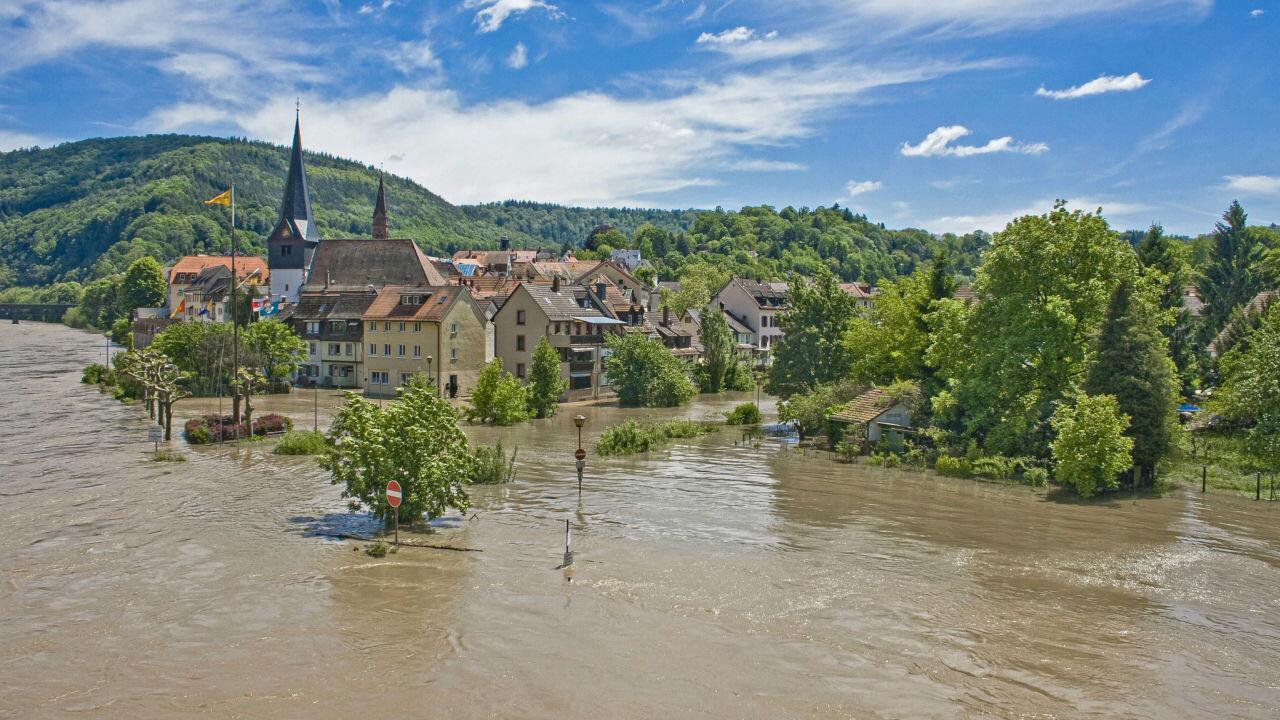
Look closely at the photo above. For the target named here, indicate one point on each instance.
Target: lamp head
(579, 420)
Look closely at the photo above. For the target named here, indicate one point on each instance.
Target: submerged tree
(499, 398)
(810, 352)
(1091, 449)
(644, 373)
(545, 384)
(1132, 365)
(415, 441)
(719, 353)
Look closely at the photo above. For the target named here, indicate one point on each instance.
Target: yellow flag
(223, 199)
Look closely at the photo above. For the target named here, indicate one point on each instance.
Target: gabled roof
(598, 267)
(246, 265)
(1256, 306)
(765, 294)
(332, 305)
(359, 263)
(866, 407)
(558, 306)
(436, 302)
(858, 291)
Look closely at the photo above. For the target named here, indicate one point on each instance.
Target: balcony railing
(581, 366)
(597, 339)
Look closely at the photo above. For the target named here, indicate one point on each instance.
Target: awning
(600, 320)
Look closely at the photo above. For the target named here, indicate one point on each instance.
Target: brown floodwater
(712, 579)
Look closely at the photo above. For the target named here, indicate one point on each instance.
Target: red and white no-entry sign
(393, 494)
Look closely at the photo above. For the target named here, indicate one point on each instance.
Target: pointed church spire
(380, 231)
(295, 208)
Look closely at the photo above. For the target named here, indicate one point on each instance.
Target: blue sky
(949, 115)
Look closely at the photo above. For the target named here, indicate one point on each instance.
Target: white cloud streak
(519, 57)
(860, 187)
(939, 144)
(1101, 84)
(990, 16)
(1253, 184)
(996, 221)
(746, 45)
(493, 13)
(587, 148)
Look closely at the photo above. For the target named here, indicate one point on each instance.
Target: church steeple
(380, 231)
(295, 208)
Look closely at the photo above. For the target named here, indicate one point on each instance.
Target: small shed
(883, 417)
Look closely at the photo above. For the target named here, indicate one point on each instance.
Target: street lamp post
(430, 375)
(580, 455)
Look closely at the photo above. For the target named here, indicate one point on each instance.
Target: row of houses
(376, 311)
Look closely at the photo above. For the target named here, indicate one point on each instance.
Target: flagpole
(235, 312)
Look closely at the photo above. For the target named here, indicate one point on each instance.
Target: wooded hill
(85, 210)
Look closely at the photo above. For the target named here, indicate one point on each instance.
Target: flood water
(712, 580)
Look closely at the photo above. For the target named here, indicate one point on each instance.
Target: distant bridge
(40, 312)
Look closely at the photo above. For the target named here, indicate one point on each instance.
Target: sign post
(393, 499)
(155, 434)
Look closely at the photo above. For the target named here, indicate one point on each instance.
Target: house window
(346, 347)
(313, 348)
(386, 327)
(417, 327)
(373, 349)
(404, 377)
(400, 351)
(313, 328)
(373, 326)
(336, 326)
(286, 250)
(453, 330)
(335, 349)
(453, 354)
(386, 350)
(520, 370)
(401, 327)
(519, 343)
(519, 317)
(417, 351)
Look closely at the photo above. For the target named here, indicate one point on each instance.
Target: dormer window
(411, 299)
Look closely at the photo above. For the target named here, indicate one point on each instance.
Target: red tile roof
(246, 265)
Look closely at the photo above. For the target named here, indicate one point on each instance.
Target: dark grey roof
(765, 294)
(332, 305)
(563, 305)
(295, 208)
(356, 264)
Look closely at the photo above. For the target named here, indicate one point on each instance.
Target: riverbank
(712, 580)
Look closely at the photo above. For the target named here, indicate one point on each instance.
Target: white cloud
(519, 57)
(938, 143)
(760, 165)
(697, 13)
(409, 57)
(1256, 13)
(858, 187)
(745, 45)
(986, 16)
(15, 140)
(1254, 184)
(1101, 84)
(996, 221)
(587, 148)
(493, 13)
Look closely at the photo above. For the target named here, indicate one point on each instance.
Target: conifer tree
(1131, 363)
(1231, 278)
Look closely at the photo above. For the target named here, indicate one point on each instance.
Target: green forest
(84, 211)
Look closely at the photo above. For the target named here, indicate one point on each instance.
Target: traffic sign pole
(394, 495)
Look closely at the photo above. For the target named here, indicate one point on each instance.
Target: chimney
(666, 316)
(555, 284)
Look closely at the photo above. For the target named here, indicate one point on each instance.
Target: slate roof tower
(292, 244)
(380, 230)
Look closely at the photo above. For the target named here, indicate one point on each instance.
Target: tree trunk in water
(168, 418)
(159, 411)
(151, 402)
(235, 406)
(248, 413)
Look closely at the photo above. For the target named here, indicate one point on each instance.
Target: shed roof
(866, 407)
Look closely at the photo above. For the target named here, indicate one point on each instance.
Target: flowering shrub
(212, 428)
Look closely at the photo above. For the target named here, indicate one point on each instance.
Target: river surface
(713, 579)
